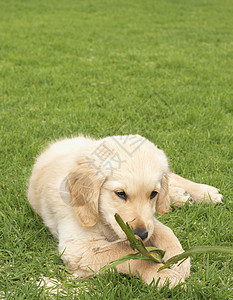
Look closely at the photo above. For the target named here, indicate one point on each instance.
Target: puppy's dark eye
(153, 194)
(121, 195)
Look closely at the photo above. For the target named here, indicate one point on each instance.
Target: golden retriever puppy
(77, 185)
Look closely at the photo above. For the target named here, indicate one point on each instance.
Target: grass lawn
(162, 69)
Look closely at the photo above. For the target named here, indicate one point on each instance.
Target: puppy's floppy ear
(163, 200)
(84, 186)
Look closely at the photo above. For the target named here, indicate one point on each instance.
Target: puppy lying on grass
(79, 184)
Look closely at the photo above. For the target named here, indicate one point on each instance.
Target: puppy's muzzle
(141, 232)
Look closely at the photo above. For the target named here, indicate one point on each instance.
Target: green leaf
(128, 231)
(196, 250)
(118, 261)
(137, 244)
(153, 250)
(156, 254)
(134, 256)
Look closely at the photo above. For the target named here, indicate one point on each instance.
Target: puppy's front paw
(171, 276)
(164, 276)
(183, 268)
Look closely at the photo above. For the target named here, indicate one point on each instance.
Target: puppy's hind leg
(198, 192)
(178, 196)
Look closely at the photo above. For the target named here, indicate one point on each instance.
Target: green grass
(162, 69)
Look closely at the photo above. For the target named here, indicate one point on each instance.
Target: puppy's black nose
(142, 233)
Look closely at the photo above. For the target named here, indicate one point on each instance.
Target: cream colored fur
(73, 188)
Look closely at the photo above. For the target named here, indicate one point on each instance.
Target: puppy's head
(128, 177)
